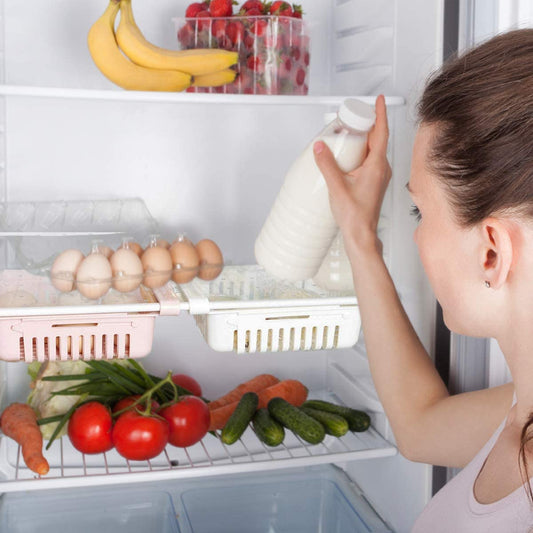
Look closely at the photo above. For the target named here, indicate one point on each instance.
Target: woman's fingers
(379, 136)
(333, 175)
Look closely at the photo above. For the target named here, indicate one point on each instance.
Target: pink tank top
(455, 509)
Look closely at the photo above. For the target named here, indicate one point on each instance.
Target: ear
(497, 251)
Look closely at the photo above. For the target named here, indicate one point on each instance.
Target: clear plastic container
(273, 51)
(298, 501)
(84, 511)
(300, 226)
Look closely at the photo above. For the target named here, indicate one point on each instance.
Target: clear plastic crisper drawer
(84, 511)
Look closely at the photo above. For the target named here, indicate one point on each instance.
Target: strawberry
(195, 8)
(297, 11)
(255, 63)
(252, 4)
(205, 20)
(281, 9)
(218, 29)
(221, 8)
(259, 27)
(235, 31)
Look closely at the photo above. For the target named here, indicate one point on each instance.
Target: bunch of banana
(130, 61)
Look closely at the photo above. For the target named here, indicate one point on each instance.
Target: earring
(487, 284)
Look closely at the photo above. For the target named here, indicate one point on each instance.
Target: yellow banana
(118, 68)
(195, 62)
(215, 79)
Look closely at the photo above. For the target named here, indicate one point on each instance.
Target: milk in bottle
(335, 272)
(300, 227)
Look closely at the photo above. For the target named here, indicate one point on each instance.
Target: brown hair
(483, 104)
(482, 151)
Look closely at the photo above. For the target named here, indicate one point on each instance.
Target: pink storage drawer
(97, 336)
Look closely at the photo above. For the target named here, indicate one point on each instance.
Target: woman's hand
(356, 197)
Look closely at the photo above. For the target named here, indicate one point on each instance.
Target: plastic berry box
(273, 51)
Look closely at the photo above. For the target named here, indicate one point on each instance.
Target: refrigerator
(82, 159)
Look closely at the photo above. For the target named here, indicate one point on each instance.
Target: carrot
(290, 390)
(255, 384)
(19, 422)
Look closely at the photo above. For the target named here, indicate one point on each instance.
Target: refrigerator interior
(210, 165)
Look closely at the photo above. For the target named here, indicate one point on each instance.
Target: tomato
(187, 383)
(129, 400)
(188, 420)
(90, 427)
(138, 437)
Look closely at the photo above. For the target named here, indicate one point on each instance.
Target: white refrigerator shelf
(69, 468)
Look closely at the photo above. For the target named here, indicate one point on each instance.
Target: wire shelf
(69, 468)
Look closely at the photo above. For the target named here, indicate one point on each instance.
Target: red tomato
(139, 437)
(188, 420)
(187, 383)
(89, 428)
(129, 400)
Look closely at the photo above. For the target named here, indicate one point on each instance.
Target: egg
(105, 250)
(185, 260)
(93, 278)
(157, 266)
(135, 246)
(64, 267)
(127, 270)
(211, 260)
(163, 243)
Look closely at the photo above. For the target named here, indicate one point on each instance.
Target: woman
(472, 186)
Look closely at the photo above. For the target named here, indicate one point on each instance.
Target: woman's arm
(428, 424)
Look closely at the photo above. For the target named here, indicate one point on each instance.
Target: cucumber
(357, 420)
(334, 424)
(240, 418)
(296, 420)
(267, 429)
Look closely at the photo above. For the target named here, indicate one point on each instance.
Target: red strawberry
(195, 8)
(186, 36)
(259, 27)
(204, 21)
(300, 76)
(221, 8)
(254, 12)
(218, 29)
(235, 31)
(255, 63)
(297, 11)
(252, 4)
(281, 9)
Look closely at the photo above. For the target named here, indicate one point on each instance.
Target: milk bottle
(335, 272)
(300, 226)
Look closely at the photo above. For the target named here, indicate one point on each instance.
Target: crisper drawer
(316, 499)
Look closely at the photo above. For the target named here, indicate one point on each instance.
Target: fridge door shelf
(69, 468)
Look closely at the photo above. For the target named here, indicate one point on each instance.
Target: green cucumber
(357, 420)
(296, 420)
(240, 418)
(267, 429)
(334, 424)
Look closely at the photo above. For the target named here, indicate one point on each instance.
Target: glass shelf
(184, 97)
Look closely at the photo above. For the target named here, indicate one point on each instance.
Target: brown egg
(163, 243)
(185, 260)
(93, 278)
(63, 272)
(211, 260)
(157, 266)
(127, 270)
(105, 250)
(136, 247)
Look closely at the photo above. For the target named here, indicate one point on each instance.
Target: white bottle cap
(357, 115)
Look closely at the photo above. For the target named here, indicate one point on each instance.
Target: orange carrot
(290, 390)
(255, 384)
(19, 422)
